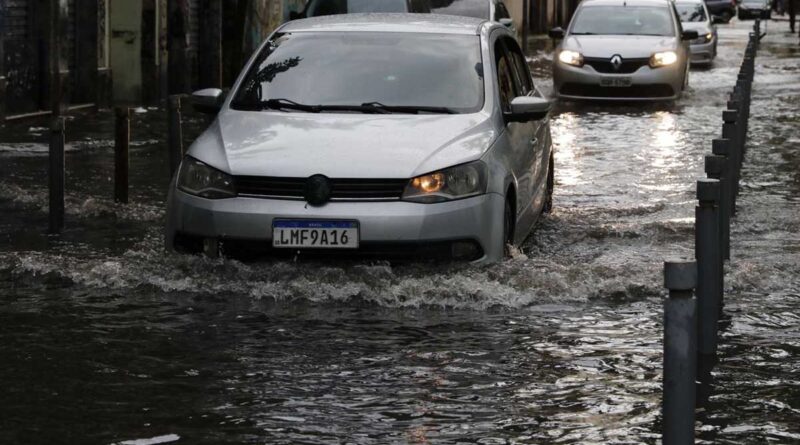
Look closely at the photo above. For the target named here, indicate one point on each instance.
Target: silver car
(694, 16)
(408, 135)
(622, 50)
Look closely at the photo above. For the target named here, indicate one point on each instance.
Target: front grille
(416, 251)
(646, 91)
(341, 190)
(627, 66)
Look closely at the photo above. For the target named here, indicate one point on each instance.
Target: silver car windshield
(623, 20)
(329, 71)
(691, 12)
(331, 7)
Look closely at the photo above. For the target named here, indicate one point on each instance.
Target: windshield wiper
(367, 107)
(582, 33)
(412, 109)
(286, 104)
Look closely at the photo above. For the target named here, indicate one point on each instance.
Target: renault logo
(318, 190)
(616, 62)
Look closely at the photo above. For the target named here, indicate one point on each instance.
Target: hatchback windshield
(363, 68)
(623, 20)
(331, 7)
(468, 8)
(691, 12)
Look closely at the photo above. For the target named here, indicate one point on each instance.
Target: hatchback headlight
(663, 59)
(452, 183)
(569, 57)
(199, 179)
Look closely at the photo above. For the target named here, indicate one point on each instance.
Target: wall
(125, 49)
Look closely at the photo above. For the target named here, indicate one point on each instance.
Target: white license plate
(302, 234)
(615, 82)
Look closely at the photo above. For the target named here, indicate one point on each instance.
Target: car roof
(625, 2)
(388, 22)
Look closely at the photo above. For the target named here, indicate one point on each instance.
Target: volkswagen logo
(318, 190)
(616, 62)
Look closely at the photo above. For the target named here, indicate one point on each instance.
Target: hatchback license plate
(315, 234)
(615, 82)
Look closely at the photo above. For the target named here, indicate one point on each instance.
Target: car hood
(701, 27)
(627, 47)
(342, 145)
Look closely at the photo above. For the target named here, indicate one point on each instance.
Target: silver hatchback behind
(622, 50)
(396, 135)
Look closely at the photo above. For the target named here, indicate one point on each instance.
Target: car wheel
(508, 225)
(551, 180)
(726, 16)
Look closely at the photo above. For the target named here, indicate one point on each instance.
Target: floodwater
(105, 338)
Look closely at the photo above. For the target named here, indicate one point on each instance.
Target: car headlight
(457, 182)
(199, 179)
(663, 59)
(569, 57)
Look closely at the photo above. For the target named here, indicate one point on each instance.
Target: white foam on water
(151, 441)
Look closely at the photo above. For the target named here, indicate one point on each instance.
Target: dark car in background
(494, 10)
(755, 9)
(721, 10)
(316, 8)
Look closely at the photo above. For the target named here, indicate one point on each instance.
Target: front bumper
(703, 53)
(647, 84)
(479, 219)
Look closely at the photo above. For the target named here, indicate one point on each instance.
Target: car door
(520, 135)
(540, 140)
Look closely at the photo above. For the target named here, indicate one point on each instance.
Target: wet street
(105, 338)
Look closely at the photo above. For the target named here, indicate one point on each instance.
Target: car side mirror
(528, 108)
(556, 33)
(689, 35)
(507, 22)
(208, 101)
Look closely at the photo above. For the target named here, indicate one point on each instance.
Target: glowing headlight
(199, 179)
(453, 183)
(571, 57)
(663, 59)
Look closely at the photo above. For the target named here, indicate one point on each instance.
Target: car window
(521, 70)
(469, 8)
(506, 83)
(623, 20)
(353, 68)
(331, 7)
(501, 12)
(691, 12)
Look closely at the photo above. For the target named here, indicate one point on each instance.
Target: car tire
(726, 16)
(551, 180)
(508, 225)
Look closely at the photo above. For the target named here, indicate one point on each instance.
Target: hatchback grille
(341, 189)
(647, 91)
(627, 66)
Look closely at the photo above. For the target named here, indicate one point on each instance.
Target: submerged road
(105, 338)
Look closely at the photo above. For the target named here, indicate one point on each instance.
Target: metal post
(722, 147)
(716, 168)
(56, 176)
(525, 26)
(730, 131)
(709, 265)
(175, 133)
(121, 149)
(680, 353)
